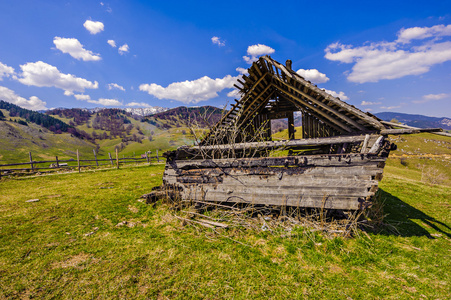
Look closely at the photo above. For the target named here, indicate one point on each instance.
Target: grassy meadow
(90, 236)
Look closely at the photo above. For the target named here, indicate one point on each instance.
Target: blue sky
(378, 56)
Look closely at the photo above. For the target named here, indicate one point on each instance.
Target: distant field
(88, 236)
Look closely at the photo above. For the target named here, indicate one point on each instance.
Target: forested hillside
(43, 120)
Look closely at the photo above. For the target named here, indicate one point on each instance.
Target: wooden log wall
(331, 181)
(312, 127)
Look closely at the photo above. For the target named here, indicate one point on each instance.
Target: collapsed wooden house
(336, 165)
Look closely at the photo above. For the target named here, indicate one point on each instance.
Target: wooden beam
(410, 130)
(326, 107)
(410, 127)
(279, 144)
(356, 112)
(320, 112)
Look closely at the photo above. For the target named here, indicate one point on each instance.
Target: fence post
(57, 163)
(123, 158)
(158, 159)
(95, 156)
(31, 162)
(78, 161)
(117, 158)
(111, 159)
(147, 156)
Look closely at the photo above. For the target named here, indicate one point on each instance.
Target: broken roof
(271, 89)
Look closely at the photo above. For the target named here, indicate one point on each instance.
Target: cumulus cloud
(242, 71)
(5, 71)
(190, 91)
(101, 101)
(432, 97)
(340, 95)
(406, 35)
(138, 104)
(42, 74)
(33, 103)
(123, 49)
(254, 51)
(313, 75)
(370, 103)
(115, 86)
(106, 102)
(217, 41)
(112, 43)
(75, 49)
(391, 60)
(93, 27)
(82, 97)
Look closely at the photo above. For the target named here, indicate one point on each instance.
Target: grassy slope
(17, 140)
(45, 252)
(283, 135)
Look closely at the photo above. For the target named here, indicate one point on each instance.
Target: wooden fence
(33, 166)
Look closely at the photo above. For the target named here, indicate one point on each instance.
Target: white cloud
(234, 94)
(391, 60)
(42, 74)
(68, 93)
(34, 103)
(82, 97)
(112, 43)
(370, 103)
(106, 102)
(123, 49)
(340, 95)
(138, 104)
(190, 91)
(75, 49)
(255, 51)
(217, 41)
(390, 107)
(420, 33)
(101, 101)
(115, 86)
(242, 71)
(5, 71)
(432, 97)
(436, 96)
(313, 75)
(93, 27)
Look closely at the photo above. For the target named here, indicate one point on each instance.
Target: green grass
(283, 135)
(47, 251)
(16, 141)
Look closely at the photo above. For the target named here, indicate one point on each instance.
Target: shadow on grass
(401, 216)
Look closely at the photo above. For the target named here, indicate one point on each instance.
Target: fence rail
(74, 163)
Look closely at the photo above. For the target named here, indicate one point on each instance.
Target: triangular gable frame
(323, 114)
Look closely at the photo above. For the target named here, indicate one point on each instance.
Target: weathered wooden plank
(325, 201)
(321, 175)
(329, 160)
(284, 143)
(409, 130)
(277, 194)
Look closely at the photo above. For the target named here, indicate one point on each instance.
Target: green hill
(17, 140)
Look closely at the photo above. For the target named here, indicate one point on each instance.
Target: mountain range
(416, 120)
